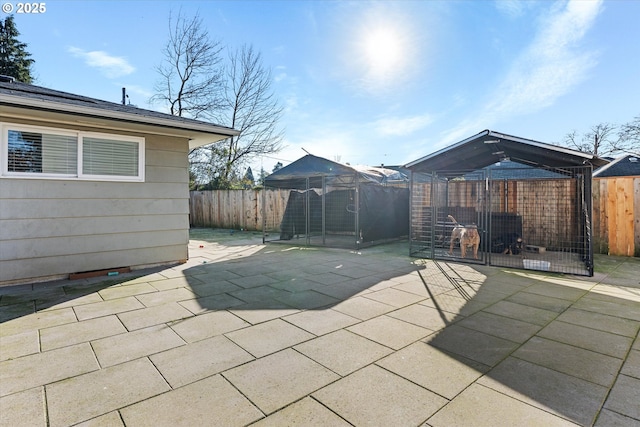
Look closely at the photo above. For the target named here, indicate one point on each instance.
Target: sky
(371, 82)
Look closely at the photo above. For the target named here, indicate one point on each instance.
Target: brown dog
(468, 236)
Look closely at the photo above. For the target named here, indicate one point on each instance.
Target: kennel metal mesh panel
(336, 211)
(531, 218)
(434, 218)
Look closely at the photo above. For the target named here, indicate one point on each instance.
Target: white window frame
(79, 135)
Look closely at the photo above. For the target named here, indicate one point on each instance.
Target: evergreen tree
(15, 61)
(248, 181)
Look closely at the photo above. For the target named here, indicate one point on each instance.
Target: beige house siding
(50, 227)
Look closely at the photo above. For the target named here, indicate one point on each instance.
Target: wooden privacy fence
(616, 215)
(615, 225)
(237, 209)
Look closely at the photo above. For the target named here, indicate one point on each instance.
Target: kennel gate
(547, 209)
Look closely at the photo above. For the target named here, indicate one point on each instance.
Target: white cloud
(110, 66)
(551, 66)
(513, 8)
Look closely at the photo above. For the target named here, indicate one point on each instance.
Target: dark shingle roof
(623, 166)
(22, 95)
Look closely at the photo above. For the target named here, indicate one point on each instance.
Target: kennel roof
(310, 166)
(488, 147)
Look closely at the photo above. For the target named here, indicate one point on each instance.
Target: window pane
(109, 157)
(34, 152)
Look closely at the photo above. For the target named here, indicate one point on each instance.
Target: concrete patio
(276, 335)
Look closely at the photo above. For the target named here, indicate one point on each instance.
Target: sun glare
(382, 50)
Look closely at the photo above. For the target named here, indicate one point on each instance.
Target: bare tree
(251, 107)
(191, 76)
(629, 137)
(598, 140)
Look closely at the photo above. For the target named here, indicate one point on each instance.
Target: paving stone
(426, 317)
(165, 297)
(374, 396)
(631, 366)
(578, 362)
(343, 291)
(540, 301)
(87, 396)
(499, 326)
(165, 284)
(253, 281)
(394, 297)
(44, 368)
(133, 345)
(590, 339)
(111, 419)
(390, 331)
(611, 306)
(78, 332)
(412, 286)
(279, 379)
(343, 352)
(258, 293)
(24, 294)
(297, 285)
(187, 364)
(215, 277)
(211, 401)
(619, 291)
(67, 301)
(307, 300)
(328, 278)
(213, 288)
(320, 322)
(478, 406)
(455, 304)
(548, 389)
(355, 272)
(601, 322)
(156, 315)
(105, 308)
(557, 291)
(262, 311)
(207, 325)
(363, 308)
(609, 418)
(306, 412)
(436, 370)
(534, 315)
(211, 303)
(14, 346)
(26, 408)
(624, 397)
(473, 345)
(268, 337)
(13, 311)
(116, 292)
(34, 321)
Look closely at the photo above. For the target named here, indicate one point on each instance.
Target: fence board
(616, 207)
(234, 208)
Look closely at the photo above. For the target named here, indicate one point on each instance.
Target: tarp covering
(383, 213)
(313, 167)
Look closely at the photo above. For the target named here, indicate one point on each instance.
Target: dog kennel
(530, 203)
(315, 201)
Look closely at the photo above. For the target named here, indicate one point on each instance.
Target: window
(56, 153)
